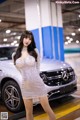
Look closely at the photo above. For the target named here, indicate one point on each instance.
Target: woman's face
(26, 41)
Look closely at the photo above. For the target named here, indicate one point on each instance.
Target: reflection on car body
(59, 79)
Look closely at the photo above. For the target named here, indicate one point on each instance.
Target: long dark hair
(30, 48)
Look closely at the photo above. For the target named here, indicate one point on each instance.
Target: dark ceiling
(12, 17)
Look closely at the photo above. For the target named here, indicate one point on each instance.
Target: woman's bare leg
(29, 108)
(45, 104)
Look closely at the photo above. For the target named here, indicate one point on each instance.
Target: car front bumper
(56, 92)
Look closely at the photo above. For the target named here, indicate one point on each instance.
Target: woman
(26, 59)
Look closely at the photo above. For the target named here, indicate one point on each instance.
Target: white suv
(59, 79)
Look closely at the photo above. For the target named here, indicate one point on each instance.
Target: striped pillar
(60, 33)
(58, 39)
(32, 19)
(44, 19)
(46, 28)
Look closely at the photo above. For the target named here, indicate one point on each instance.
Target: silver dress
(32, 84)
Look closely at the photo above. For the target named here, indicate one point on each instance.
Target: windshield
(6, 53)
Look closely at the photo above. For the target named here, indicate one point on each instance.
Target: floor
(65, 109)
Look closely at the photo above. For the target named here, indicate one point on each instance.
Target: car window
(6, 53)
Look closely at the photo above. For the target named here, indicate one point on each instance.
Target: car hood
(8, 68)
(8, 64)
(45, 65)
(50, 64)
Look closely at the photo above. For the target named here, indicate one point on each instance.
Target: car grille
(58, 77)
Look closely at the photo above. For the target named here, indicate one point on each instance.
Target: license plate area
(66, 89)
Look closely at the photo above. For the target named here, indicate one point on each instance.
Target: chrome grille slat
(54, 77)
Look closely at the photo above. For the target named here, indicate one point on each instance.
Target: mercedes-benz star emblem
(65, 75)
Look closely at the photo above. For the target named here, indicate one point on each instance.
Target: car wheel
(11, 96)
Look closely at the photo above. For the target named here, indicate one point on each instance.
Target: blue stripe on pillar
(47, 42)
(55, 35)
(61, 43)
(36, 37)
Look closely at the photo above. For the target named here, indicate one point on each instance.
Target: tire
(12, 97)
